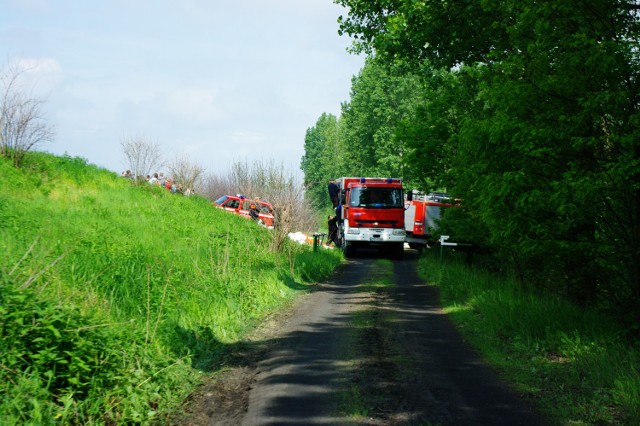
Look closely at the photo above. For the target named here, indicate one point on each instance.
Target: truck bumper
(374, 236)
(410, 239)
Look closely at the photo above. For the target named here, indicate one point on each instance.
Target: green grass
(572, 362)
(115, 298)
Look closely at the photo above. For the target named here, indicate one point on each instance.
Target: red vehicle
(239, 204)
(422, 216)
(371, 214)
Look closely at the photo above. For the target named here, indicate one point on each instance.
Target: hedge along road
(372, 346)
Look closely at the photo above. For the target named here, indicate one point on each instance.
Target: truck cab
(371, 214)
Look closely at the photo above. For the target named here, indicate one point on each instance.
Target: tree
(546, 155)
(431, 134)
(142, 155)
(445, 33)
(322, 159)
(365, 140)
(382, 96)
(23, 125)
(187, 173)
(272, 183)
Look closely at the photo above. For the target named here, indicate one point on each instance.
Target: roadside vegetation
(526, 112)
(574, 363)
(115, 298)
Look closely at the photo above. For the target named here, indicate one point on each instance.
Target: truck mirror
(410, 196)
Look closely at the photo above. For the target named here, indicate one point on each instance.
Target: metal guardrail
(443, 243)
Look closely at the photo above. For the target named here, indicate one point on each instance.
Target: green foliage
(114, 297)
(365, 141)
(527, 112)
(431, 134)
(59, 366)
(573, 362)
(323, 159)
(445, 33)
(381, 97)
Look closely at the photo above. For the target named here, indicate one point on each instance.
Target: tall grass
(574, 362)
(115, 298)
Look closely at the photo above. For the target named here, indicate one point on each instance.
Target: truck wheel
(347, 248)
(416, 246)
(396, 251)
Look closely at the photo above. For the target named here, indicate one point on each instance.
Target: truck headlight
(353, 231)
(399, 232)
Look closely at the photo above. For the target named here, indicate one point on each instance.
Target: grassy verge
(573, 363)
(115, 298)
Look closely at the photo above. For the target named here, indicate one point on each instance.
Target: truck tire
(417, 246)
(396, 251)
(347, 248)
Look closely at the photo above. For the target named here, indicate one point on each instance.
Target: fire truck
(371, 214)
(422, 216)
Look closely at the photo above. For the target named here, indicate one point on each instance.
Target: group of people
(159, 179)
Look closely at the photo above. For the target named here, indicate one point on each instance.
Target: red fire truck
(422, 215)
(371, 214)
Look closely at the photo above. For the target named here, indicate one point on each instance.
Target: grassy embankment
(574, 363)
(114, 299)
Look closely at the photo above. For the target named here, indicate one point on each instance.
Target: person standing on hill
(334, 192)
(154, 179)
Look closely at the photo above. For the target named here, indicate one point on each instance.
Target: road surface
(371, 346)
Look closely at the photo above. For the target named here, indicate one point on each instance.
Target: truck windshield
(376, 197)
(221, 199)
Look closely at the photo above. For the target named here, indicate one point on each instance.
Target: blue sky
(215, 81)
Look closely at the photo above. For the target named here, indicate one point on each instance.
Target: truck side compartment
(422, 217)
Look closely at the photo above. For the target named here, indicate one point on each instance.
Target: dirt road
(369, 347)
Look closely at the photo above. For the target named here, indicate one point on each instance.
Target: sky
(213, 81)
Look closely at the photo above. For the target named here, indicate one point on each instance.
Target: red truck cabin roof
(348, 182)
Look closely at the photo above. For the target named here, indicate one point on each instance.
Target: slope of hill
(114, 297)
